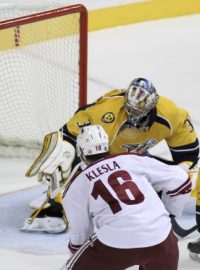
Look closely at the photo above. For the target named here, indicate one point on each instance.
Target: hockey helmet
(92, 140)
(140, 98)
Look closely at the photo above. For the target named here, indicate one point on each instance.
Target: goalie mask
(92, 140)
(140, 99)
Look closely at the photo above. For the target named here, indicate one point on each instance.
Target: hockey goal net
(43, 72)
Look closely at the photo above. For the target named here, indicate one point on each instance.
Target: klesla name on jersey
(92, 175)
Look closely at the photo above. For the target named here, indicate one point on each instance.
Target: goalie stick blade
(181, 231)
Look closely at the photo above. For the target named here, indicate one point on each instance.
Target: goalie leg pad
(50, 219)
(46, 224)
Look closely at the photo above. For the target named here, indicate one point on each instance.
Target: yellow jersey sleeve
(105, 112)
(183, 132)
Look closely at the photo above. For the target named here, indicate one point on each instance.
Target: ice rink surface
(165, 51)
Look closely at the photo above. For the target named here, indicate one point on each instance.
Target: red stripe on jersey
(70, 182)
(185, 188)
(73, 248)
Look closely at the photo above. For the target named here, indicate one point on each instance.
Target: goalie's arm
(82, 117)
(69, 137)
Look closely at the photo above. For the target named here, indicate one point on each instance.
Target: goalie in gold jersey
(135, 119)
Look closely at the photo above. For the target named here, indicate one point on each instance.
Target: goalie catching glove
(54, 162)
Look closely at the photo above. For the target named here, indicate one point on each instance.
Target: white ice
(165, 51)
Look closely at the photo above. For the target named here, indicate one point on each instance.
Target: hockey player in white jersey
(116, 218)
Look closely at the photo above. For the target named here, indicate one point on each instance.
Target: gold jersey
(171, 123)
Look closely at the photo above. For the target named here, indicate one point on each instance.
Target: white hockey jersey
(116, 198)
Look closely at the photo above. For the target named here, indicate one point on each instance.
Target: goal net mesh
(39, 73)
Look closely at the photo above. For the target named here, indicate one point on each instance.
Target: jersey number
(121, 190)
(189, 125)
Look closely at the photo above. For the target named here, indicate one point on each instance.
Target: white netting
(18, 8)
(39, 74)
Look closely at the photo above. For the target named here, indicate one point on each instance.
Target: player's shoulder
(168, 108)
(112, 98)
(115, 97)
(115, 93)
(165, 103)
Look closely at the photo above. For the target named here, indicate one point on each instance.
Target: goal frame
(40, 16)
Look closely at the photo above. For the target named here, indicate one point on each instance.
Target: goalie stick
(55, 191)
(30, 220)
(54, 183)
(181, 231)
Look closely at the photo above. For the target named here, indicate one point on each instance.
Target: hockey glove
(54, 162)
(193, 172)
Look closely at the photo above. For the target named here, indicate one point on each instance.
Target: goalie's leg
(53, 165)
(49, 217)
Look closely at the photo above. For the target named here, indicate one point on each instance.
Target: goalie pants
(95, 255)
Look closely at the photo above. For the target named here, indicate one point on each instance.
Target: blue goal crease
(14, 209)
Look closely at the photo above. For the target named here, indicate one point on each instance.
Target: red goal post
(43, 74)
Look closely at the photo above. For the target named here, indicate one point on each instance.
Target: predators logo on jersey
(108, 117)
(140, 147)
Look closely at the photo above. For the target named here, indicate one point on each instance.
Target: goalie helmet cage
(43, 61)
